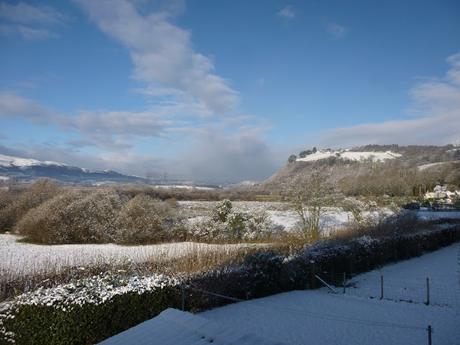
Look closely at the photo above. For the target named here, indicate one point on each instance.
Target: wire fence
(426, 290)
(421, 330)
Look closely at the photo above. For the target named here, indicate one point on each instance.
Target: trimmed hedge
(88, 323)
(264, 274)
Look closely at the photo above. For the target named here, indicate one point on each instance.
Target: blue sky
(223, 90)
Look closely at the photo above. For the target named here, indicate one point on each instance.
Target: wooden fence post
(182, 290)
(427, 291)
(312, 282)
(430, 331)
(344, 280)
(381, 286)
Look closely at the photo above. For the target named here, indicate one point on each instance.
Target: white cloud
(28, 14)
(12, 105)
(437, 130)
(435, 117)
(336, 30)
(162, 54)
(109, 129)
(287, 12)
(29, 21)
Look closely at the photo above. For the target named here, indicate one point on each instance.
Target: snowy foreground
(320, 317)
(174, 327)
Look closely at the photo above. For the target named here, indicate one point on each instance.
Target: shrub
(6, 199)
(292, 158)
(33, 196)
(222, 210)
(142, 220)
(258, 226)
(74, 218)
(100, 217)
(206, 230)
(49, 222)
(93, 218)
(228, 225)
(172, 202)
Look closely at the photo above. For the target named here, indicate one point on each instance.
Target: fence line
(316, 315)
(425, 290)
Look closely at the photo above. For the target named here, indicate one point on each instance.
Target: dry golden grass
(189, 264)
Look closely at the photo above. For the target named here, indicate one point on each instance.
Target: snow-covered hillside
(7, 161)
(29, 169)
(350, 155)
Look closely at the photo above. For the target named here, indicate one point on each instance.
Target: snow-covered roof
(175, 327)
(350, 155)
(24, 162)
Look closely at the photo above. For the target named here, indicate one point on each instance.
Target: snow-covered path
(319, 317)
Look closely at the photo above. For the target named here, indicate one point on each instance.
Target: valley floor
(358, 317)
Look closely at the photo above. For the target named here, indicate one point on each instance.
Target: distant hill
(374, 169)
(26, 169)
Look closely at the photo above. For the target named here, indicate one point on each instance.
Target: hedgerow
(85, 312)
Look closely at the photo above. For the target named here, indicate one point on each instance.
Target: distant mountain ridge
(27, 169)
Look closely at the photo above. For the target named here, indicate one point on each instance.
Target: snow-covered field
(280, 213)
(20, 259)
(320, 317)
(183, 186)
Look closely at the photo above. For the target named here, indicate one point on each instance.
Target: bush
(33, 196)
(222, 210)
(6, 199)
(228, 225)
(143, 220)
(74, 218)
(101, 216)
(49, 222)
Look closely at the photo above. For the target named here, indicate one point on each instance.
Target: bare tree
(309, 195)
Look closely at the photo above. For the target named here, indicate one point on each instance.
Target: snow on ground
(183, 186)
(319, 317)
(349, 155)
(436, 215)
(407, 280)
(281, 213)
(430, 165)
(330, 219)
(20, 259)
(174, 327)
